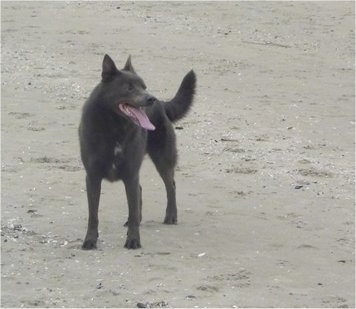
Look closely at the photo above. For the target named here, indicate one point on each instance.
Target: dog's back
(164, 114)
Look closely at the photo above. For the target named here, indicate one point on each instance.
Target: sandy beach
(265, 179)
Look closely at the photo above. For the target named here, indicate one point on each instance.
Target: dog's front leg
(93, 194)
(133, 194)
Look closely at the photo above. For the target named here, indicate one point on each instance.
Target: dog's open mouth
(137, 115)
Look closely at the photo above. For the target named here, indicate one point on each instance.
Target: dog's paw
(170, 220)
(89, 244)
(132, 243)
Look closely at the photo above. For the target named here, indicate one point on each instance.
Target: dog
(121, 122)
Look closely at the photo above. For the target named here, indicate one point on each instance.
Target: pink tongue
(138, 116)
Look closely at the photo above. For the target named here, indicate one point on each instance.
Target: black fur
(113, 146)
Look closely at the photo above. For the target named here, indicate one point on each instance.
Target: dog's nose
(151, 100)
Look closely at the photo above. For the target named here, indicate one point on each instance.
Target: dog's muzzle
(150, 100)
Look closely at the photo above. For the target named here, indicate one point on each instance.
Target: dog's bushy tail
(179, 106)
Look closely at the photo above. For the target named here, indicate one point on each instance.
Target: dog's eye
(130, 87)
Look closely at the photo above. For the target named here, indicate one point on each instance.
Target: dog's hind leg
(171, 210)
(164, 158)
(166, 170)
(134, 200)
(93, 193)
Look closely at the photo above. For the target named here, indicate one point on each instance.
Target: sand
(265, 180)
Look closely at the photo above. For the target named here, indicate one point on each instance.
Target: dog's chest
(118, 156)
(115, 165)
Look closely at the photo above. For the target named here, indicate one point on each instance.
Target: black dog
(121, 121)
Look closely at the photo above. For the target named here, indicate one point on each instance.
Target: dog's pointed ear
(128, 66)
(109, 68)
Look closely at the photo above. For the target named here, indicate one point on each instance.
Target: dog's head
(125, 92)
